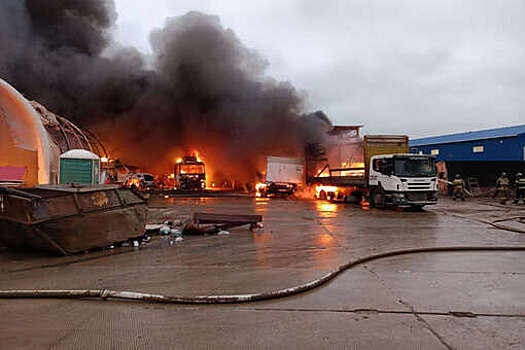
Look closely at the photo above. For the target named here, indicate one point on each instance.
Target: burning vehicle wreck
(140, 181)
(190, 174)
(283, 177)
(377, 169)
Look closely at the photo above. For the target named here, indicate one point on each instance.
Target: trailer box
(383, 144)
(284, 170)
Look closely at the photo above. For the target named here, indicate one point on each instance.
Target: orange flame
(260, 188)
(329, 191)
(358, 169)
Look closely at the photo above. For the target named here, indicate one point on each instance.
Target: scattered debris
(192, 229)
(208, 223)
(165, 230)
(153, 227)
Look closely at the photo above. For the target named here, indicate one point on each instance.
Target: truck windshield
(191, 169)
(414, 166)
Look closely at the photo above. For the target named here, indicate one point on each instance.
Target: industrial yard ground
(433, 300)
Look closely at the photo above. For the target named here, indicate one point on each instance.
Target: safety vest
(520, 183)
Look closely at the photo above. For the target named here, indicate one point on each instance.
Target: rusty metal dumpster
(63, 220)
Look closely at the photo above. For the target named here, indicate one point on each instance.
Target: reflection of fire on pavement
(326, 209)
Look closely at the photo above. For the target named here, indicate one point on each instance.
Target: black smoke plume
(205, 91)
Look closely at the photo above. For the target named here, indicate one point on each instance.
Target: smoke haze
(206, 91)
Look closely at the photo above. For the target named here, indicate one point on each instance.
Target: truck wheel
(378, 199)
(355, 197)
(322, 195)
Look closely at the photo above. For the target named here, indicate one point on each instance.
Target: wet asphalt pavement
(461, 300)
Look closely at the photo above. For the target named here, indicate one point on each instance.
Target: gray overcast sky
(416, 67)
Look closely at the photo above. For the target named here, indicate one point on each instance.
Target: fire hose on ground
(107, 294)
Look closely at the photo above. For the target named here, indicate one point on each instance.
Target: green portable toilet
(79, 166)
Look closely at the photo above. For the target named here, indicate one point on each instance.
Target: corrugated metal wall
(499, 149)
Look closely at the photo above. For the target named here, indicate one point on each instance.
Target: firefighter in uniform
(502, 187)
(519, 182)
(458, 188)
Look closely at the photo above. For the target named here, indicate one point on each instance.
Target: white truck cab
(402, 180)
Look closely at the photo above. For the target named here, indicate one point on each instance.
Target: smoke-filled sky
(200, 87)
(411, 67)
(238, 80)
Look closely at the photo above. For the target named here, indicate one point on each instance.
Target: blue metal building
(481, 154)
(503, 144)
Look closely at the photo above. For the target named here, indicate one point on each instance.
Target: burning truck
(347, 167)
(377, 168)
(190, 174)
(283, 177)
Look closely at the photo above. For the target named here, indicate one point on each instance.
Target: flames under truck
(283, 176)
(377, 169)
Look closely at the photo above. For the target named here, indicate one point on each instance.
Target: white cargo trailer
(283, 176)
(280, 169)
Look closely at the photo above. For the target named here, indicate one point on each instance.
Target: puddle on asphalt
(326, 209)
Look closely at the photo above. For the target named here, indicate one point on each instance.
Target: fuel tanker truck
(32, 140)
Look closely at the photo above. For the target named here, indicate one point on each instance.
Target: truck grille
(419, 186)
